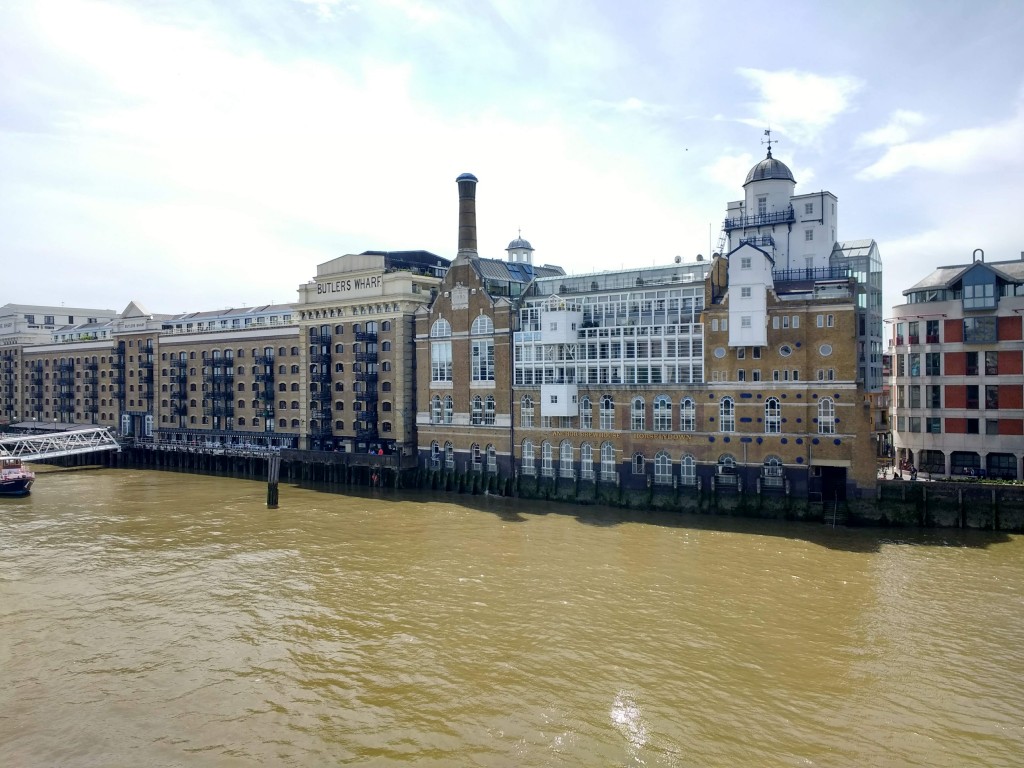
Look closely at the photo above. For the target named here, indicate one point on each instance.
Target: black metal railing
(758, 220)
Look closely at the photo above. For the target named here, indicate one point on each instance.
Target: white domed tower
(769, 187)
(520, 251)
(797, 231)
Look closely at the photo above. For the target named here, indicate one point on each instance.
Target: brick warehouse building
(731, 376)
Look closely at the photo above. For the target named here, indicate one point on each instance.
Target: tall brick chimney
(467, 214)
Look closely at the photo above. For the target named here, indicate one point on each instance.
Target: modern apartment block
(957, 350)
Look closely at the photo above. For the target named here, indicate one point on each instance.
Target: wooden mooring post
(273, 473)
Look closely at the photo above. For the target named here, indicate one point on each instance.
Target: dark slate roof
(946, 277)
(769, 168)
(517, 272)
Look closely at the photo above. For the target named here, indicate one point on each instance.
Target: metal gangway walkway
(57, 444)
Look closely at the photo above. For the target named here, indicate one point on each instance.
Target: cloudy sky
(197, 155)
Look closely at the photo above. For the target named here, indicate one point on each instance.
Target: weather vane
(769, 141)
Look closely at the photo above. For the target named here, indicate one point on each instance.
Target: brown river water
(159, 619)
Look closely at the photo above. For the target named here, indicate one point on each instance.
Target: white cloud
(799, 104)
(896, 131)
(967, 150)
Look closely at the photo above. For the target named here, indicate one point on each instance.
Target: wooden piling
(273, 473)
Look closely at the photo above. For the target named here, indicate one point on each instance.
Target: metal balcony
(219, 409)
(369, 336)
(760, 220)
(323, 396)
(366, 357)
(320, 357)
(265, 360)
(265, 377)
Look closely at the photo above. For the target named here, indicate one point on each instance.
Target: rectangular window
(714, 325)
(757, 353)
(482, 364)
(745, 292)
(441, 361)
(991, 426)
(808, 235)
(933, 363)
(745, 262)
(972, 364)
(972, 397)
(992, 397)
(741, 352)
(775, 376)
(745, 321)
(775, 322)
(741, 375)
(914, 424)
(972, 426)
(933, 396)
(796, 321)
(821, 321)
(935, 425)
(808, 208)
(991, 363)
(979, 329)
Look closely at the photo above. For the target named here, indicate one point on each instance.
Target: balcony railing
(758, 220)
(370, 336)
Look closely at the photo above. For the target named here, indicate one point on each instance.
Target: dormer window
(981, 296)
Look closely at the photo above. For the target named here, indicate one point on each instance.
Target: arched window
(687, 470)
(492, 459)
(490, 409)
(528, 466)
(526, 411)
(826, 416)
(662, 468)
(638, 464)
(662, 414)
(547, 468)
(482, 325)
(687, 415)
(587, 461)
(637, 413)
(772, 416)
(586, 414)
(727, 464)
(771, 472)
(607, 413)
(476, 416)
(435, 409)
(385, 346)
(565, 459)
(476, 457)
(441, 351)
(482, 350)
(449, 410)
(435, 455)
(607, 462)
(727, 415)
(449, 456)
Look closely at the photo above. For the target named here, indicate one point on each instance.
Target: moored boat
(15, 480)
